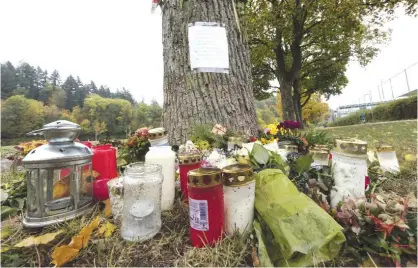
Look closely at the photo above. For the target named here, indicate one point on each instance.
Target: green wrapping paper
(291, 228)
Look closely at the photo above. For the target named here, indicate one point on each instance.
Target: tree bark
(204, 98)
(297, 101)
(287, 101)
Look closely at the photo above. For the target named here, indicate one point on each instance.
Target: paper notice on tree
(208, 47)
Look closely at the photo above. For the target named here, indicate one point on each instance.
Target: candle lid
(204, 177)
(319, 154)
(289, 147)
(189, 158)
(350, 146)
(235, 139)
(385, 148)
(157, 133)
(237, 174)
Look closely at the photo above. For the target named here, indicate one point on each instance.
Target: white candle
(239, 208)
(164, 156)
(387, 159)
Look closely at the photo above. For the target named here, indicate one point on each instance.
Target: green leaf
(303, 163)
(3, 195)
(260, 154)
(7, 212)
(18, 203)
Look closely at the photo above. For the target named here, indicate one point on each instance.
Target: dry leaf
(107, 229)
(60, 189)
(43, 239)
(108, 208)
(76, 242)
(63, 254)
(86, 231)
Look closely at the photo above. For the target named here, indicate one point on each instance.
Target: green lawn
(402, 135)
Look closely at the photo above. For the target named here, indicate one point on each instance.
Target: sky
(119, 44)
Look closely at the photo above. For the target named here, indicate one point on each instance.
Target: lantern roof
(61, 149)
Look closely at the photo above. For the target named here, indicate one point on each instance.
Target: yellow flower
(273, 129)
(263, 141)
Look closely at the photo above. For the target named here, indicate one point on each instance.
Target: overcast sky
(118, 44)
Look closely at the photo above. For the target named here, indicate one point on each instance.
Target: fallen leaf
(107, 229)
(86, 231)
(6, 232)
(43, 239)
(108, 208)
(410, 158)
(76, 242)
(63, 254)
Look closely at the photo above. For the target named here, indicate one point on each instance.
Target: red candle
(187, 162)
(104, 161)
(206, 206)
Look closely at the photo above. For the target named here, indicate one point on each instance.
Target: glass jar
(320, 157)
(141, 218)
(349, 165)
(115, 187)
(239, 195)
(387, 159)
(234, 141)
(164, 156)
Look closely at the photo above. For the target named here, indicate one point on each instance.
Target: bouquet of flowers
(378, 227)
(136, 147)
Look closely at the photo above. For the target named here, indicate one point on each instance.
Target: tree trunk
(287, 101)
(204, 98)
(297, 102)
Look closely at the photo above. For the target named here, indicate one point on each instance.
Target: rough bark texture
(204, 98)
(287, 101)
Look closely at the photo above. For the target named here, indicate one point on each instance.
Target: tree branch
(306, 101)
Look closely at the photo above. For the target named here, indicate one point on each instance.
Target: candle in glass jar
(239, 195)
(387, 159)
(349, 165)
(187, 162)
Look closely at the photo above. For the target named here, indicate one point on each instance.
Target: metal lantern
(59, 176)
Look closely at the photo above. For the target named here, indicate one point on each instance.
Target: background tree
(301, 42)
(201, 98)
(99, 127)
(8, 79)
(55, 79)
(20, 116)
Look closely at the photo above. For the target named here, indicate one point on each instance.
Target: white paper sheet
(208, 47)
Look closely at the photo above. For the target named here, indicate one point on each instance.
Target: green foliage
(202, 134)
(266, 111)
(308, 44)
(14, 184)
(20, 115)
(317, 137)
(395, 110)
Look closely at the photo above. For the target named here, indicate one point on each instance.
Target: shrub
(395, 110)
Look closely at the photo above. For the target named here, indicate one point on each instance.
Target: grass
(170, 247)
(402, 135)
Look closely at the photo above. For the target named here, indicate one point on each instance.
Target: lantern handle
(37, 132)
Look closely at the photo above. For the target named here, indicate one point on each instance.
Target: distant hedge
(395, 110)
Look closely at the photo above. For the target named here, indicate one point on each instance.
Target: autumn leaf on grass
(107, 229)
(85, 233)
(108, 208)
(63, 254)
(43, 239)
